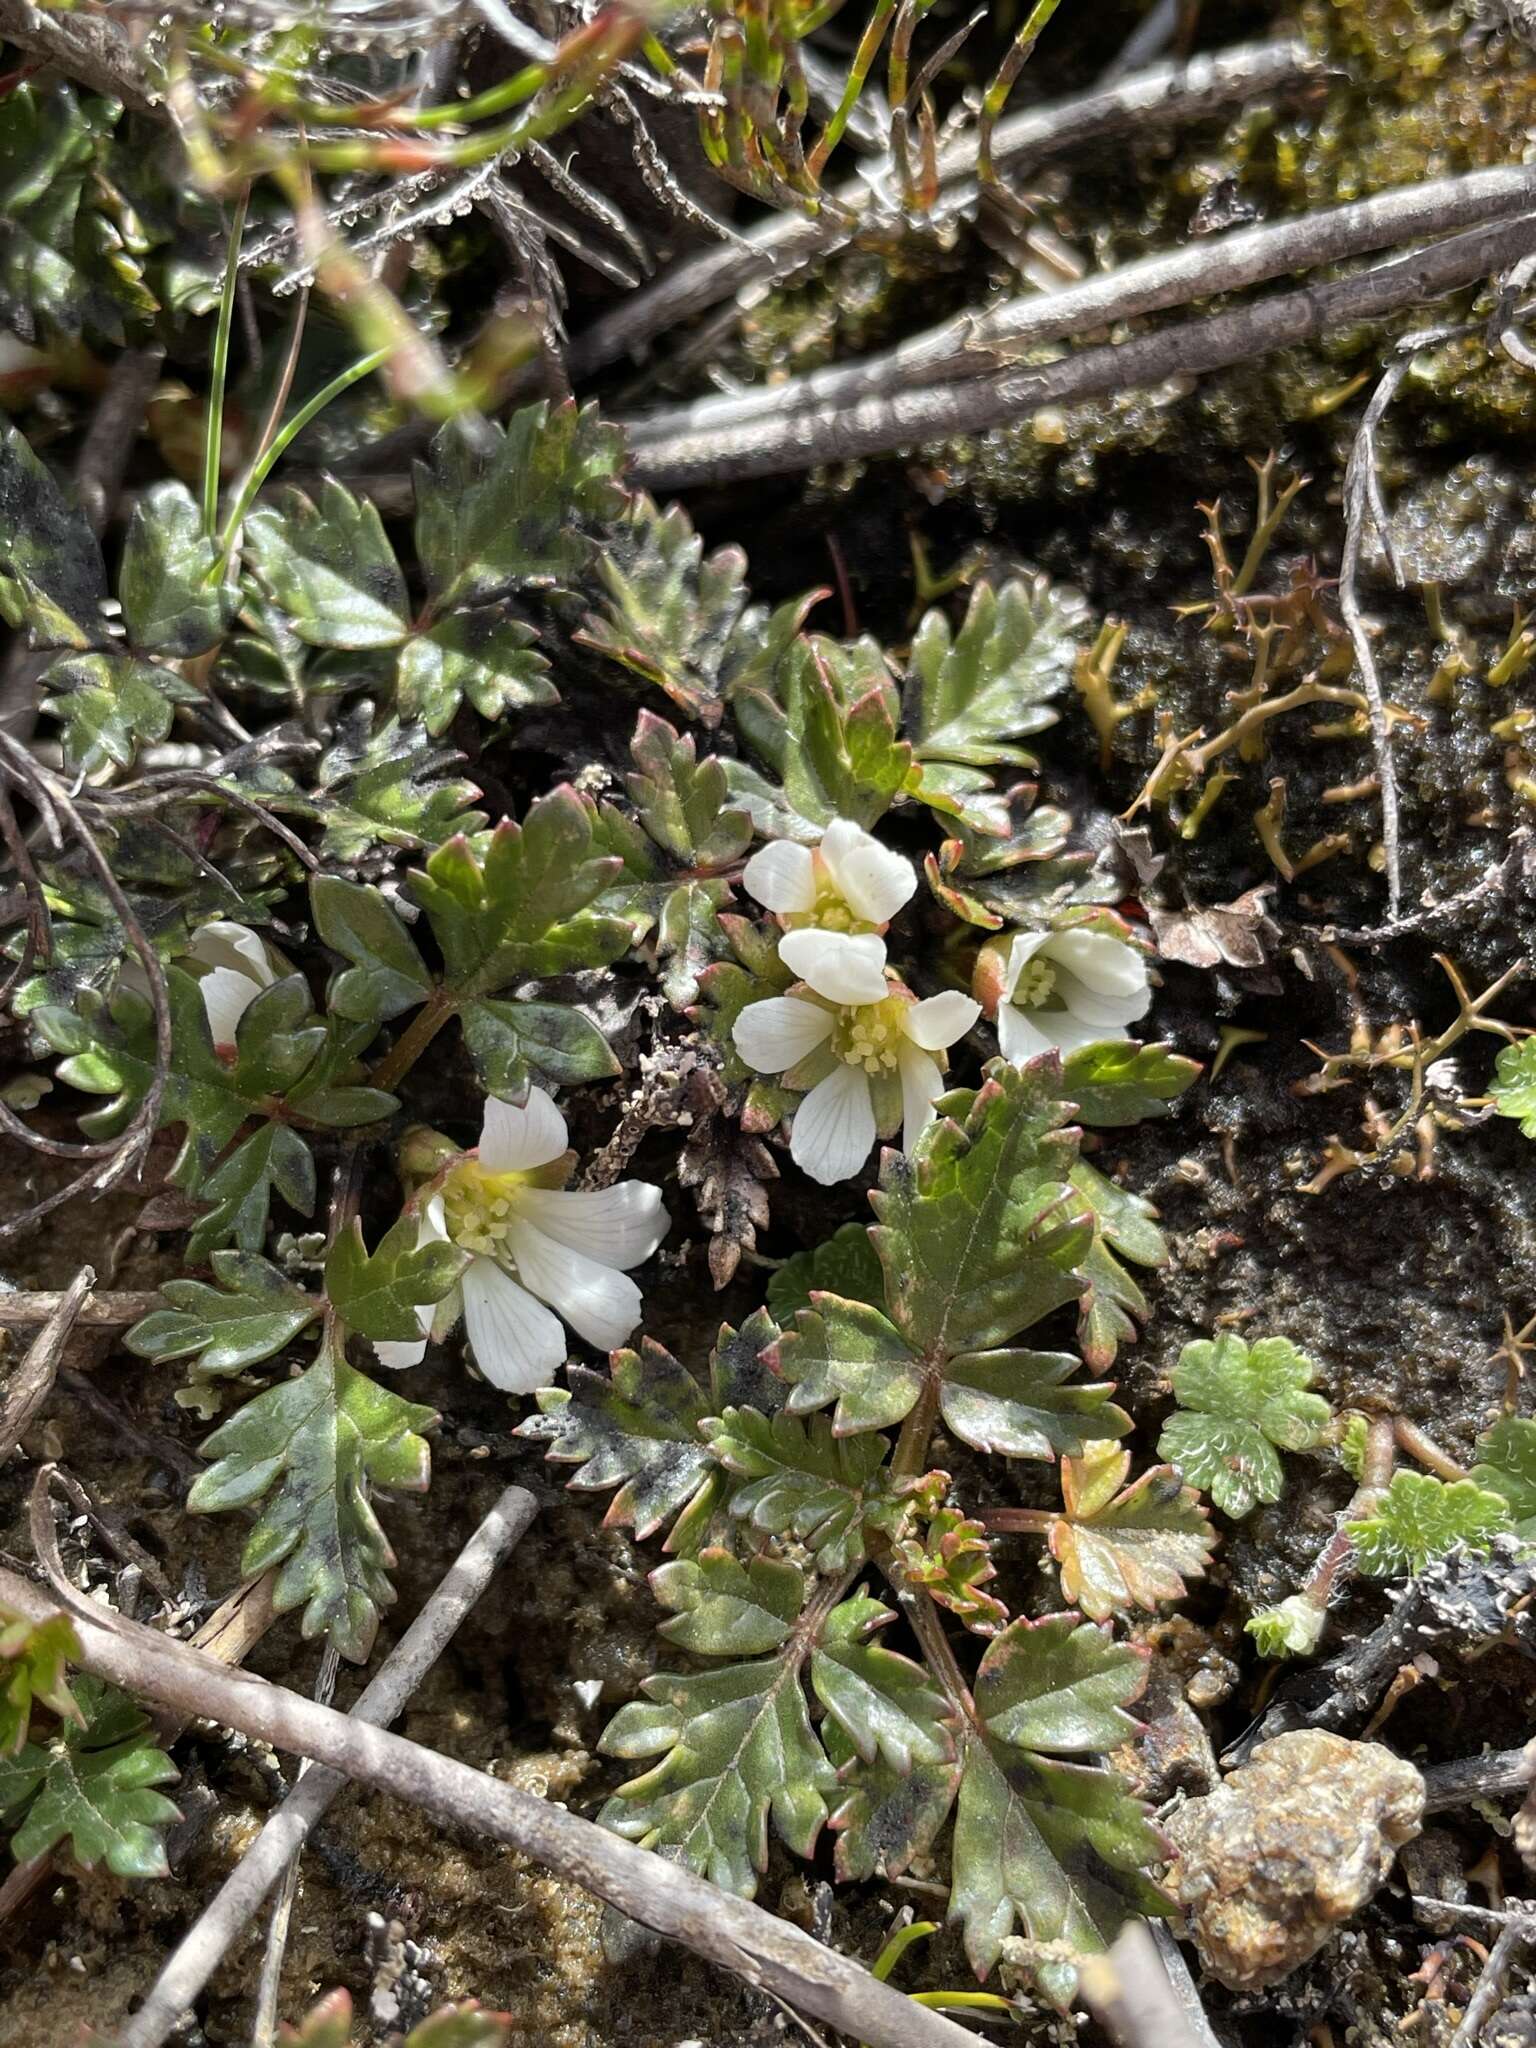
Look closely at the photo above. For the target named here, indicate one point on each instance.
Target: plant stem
(281, 441)
(213, 428)
(414, 1040)
(1411, 1438)
(911, 1453)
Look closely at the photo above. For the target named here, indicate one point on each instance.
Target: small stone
(1288, 1849)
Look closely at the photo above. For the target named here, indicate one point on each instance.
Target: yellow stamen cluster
(869, 1035)
(831, 912)
(1035, 984)
(479, 1207)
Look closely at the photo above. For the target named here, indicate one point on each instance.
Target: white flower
(848, 885)
(1059, 990)
(861, 1046)
(540, 1252)
(237, 966)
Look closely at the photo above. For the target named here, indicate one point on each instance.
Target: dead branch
(32, 1382)
(784, 244)
(903, 419)
(970, 343)
(21, 1311)
(239, 1898)
(770, 1954)
(90, 49)
(1129, 1993)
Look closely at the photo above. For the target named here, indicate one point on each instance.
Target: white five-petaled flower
(540, 1252)
(848, 886)
(237, 965)
(1060, 990)
(863, 1048)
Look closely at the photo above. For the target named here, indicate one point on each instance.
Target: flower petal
(222, 943)
(227, 995)
(873, 881)
(782, 876)
(599, 1304)
(1106, 965)
(1024, 1034)
(617, 1226)
(938, 1021)
(834, 1127)
(396, 1357)
(517, 1343)
(1024, 948)
(514, 1140)
(776, 1034)
(921, 1081)
(845, 967)
(1108, 1015)
(1019, 1035)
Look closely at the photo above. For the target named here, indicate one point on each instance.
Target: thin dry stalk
(888, 423)
(32, 1382)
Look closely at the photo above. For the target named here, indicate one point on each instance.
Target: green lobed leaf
(388, 975)
(971, 694)
(1016, 1404)
(887, 1706)
(1117, 1082)
(885, 1819)
(527, 909)
(683, 802)
(311, 1449)
(1419, 1519)
(669, 614)
(33, 1655)
(635, 1428)
(170, 605)
(1506, 1464)
(1056, 1846)
(515, 1044)
(724, 1609)
(826, 725)
(109, 705)
(109, 1050)
(388, 787)
(848, 1352)
(1514, 1084)
(845, 1263)
(251, 1313)
(327, 564)
(1123, 1547)
(377, 1293)
(499, 512)
(950, 1555)
(481, 655)
(52, 582)
(1238, 1401)
(96, 1790)
(801, 1480)
(979, 1233)
(736, 1748)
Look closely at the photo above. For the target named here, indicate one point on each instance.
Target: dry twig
(673, 458)
(32, 1382)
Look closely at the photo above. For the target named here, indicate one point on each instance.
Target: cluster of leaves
(784, 1500)
(78, 1767)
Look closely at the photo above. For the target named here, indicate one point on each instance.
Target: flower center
(831, 911)
(869, 1035)
(1036, 983)
(478, 1206)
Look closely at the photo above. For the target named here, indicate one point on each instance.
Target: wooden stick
(883, 424)
(770, 1954)
(19, 1311)
(32, 1382)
